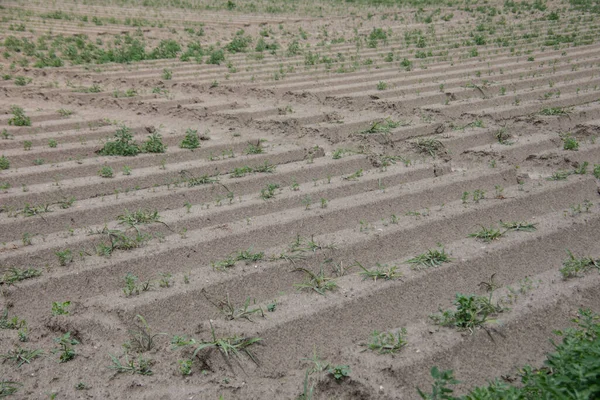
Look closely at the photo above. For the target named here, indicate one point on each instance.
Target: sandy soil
(374, 156)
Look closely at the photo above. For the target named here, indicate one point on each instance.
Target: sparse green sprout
(27, 145)
(65, 347)
(229, 346)
(165, 280)
(8, 388)
(354, 176)
(432, 147)
(486, 234)
(254, 149)
(384, 126)
(382, 85)
(167, 74)
(596, 171)
(339, 372)
(154, 144)
(269, 191)
(381, 271)
(319, 282)
(431, 258)
(478, 195)
(559, 176)
(306, 201)
(573, 267)
(231, 312)
(387, 342)
(519, 226)
(106, 172)
(21, 356)
(181, 341)
(64, 257)
(126, 170)
(12, 322)
(133, 285)
(582, 169)
(142, 366)
(60, 308)
(52, 143)
(63, 112)
(323, 202)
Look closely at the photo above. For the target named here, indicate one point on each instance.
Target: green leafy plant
(142, 366)
(191, 140)
(339, 372)
(133, 286)
(21, 356)
(64, 257)
(14, 275)
(141, 337)
(384, 126)
(154, 144)
(123, 144)
(65, 347)
(430, 146)
(19, 118)
(167, 74)
(60, 308)
(569, 372)
(570, 143)
(471, 312)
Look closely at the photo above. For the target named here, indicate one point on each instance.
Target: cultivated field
(292, 200)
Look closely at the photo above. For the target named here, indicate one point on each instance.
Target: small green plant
(60, 308)
(354, 176)
(106, 172)
(553, 111)
(229, 346)
(191, 140)
(573, 266)
(381, 271)
(133, 286)
(487, 234)
(387, 342)
(432, 147)
(27, 145)
(8, 388)
(339, 372)
(167, 74)
(21, 356)
(154, 144)
(52, 143)
(4, 163)
(64, 257)
(471, 312)
(570, 143)
(254, 148)
(268, 192)
(519, 226)
(63, 112)
(142, 366)
(559, 176)
(382, 85)
(65, 347)
(123, 145)
(19, 118)
(11, 323)
(319, 282)
(431, 258)
(185, 366)
(126, 170)
(596, 171)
